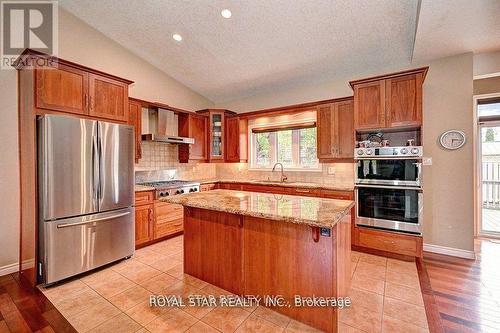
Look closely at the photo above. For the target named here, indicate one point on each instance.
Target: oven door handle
(392, 187)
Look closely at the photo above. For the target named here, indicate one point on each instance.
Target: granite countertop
(142, 188)
(285, 184)
(316, 212)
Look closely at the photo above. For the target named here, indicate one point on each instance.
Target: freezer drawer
(80, 244)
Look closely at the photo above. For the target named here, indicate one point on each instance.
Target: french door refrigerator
(86, 184)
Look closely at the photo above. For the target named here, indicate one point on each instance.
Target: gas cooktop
(172, 187)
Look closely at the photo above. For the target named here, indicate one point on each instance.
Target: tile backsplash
(161, 156)
(164, 156)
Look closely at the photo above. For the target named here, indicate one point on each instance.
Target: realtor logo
(27, 24)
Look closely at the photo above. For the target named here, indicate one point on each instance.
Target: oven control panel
(388, 152)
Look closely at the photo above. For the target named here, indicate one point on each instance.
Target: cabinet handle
(302, 191)
(86, 101)
(90, 103)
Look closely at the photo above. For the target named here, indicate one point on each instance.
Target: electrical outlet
(427, 161)
(331, 170)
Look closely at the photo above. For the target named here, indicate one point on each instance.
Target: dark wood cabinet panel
(389, 101)
(214, 237)
(369, 105)
(335, 131)
(325, 122)
(134, 119)
(232, 140)
(143, 224)
(193, 126)
(236, 139)
(63, 89)
(344, 125)
(108, 98)
(404, 101)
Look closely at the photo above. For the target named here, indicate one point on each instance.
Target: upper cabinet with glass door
(216, 133)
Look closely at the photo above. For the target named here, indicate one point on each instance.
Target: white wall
(82, 44)
(487, 63)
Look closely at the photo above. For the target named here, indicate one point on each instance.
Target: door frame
(478, 200)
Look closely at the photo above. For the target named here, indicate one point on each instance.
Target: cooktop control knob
(192, 190)
(369, 152)
(404, 151)
(360, 152)
(415, 151)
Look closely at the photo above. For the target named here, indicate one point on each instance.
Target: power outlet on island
(331, 170)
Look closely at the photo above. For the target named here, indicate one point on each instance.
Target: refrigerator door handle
(101, 167)
(95, 170)
(67, 225)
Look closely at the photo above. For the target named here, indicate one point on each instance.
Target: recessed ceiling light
(177, 37)
(226, 13)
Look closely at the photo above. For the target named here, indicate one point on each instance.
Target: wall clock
(452, 139)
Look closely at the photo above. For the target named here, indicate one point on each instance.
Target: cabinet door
(134, 119)
(62, 89)
(404, 101)
(198, 131)
(344, 125)
(325, 131)
(143, 224)
(232, 140)
(369, 105)
(108, 98)
(216, 135)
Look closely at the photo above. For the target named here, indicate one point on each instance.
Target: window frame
(274, 153)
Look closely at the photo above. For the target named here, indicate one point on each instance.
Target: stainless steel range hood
(162, 125)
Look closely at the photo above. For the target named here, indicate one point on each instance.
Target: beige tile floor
(385, 294)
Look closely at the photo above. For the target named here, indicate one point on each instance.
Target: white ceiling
(449, 27)
(273, 43)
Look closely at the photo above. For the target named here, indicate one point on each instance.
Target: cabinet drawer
(308, 192)
(166, 212)
(341, 195)
(144, 198)
(207, 187)
(390, 242)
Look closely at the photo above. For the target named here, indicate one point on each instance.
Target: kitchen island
(263, 244)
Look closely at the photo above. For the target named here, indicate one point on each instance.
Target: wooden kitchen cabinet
(135, 119)
(389, 101)
(71, 89)
(168, 219)
(216, 134)
(392, 242)
(193, 126)
(236, 139)
(108, 98)
(64, 89)
(143, 224)
(335, 131)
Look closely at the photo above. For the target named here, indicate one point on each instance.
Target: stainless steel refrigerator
(86, 184)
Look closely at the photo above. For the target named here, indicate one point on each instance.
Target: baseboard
(8, 269)
(449, 251)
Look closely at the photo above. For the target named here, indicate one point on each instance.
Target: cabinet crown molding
(23, 62)
(422, 70)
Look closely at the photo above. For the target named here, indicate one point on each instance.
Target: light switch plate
(331, 170)
(427, 161)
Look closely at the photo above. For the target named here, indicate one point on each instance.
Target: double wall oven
(389, 188)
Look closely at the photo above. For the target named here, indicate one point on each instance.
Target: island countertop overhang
(312, 211)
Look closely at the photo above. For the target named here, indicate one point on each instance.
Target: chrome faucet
(283, 177)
